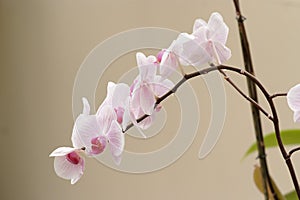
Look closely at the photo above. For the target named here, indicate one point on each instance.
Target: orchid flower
(95, 132)
(293, 99)
(146, 88)
(213, 36)
(206, 44)
(68, 164)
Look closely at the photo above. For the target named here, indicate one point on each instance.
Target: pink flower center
(73, 158)
(98, 144)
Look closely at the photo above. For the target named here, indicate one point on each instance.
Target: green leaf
(259, 184)
(289, 137)
(291, 195)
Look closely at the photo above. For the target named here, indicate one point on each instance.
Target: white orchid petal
(126, 116)
(105, 117)
(297, 116)
(141, 59)
(86, 127)
(161, 86)
(147, 72)
(201, 35)
(147, 66)
(199, 23)
(86, 106)
(218, 29)
(74, 180)
(61, 151)
(121, 93)
(293, 98)
(134, 114)
(223, 52)
(147, 100)
(116, 139)
(169, 63)
(109, 96)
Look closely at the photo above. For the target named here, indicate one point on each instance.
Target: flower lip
(73, 157)
(98, 144)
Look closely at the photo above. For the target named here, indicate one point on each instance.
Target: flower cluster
(124, 104)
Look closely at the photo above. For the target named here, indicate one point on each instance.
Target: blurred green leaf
(289, 137)
(291, 195)
(258, 182)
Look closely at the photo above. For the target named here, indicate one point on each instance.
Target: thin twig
(293, 151)
(228, 79)
(278, 95)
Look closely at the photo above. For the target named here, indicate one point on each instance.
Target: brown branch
(253, 94)
(266, 94)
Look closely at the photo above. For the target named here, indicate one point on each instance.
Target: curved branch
(293, 151)
(268, 97)
(275, 123)
(252, 101)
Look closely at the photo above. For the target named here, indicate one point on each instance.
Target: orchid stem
(255, 111)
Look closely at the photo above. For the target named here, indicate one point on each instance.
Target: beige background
(43, 44)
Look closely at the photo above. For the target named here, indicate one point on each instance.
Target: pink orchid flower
(147, 87)
(293, 99)
(95, 132)
(68, 164)
(206, 44)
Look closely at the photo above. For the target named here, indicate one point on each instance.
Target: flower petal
(147, 99)
(136, 113)
(189, 51)
(147, 66)
(86, 106)
(297, 116)
(116, 139)
(67, 170)
(126, 115)
(61, 151)
(109, 96)
(121, 93)
(161, 86)
(218, 30)
(293, 98)
(199, 23)
(223, 52)
(86, 127)
(105, 118)
(169, 63)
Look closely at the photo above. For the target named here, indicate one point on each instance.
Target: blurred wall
(44, 42)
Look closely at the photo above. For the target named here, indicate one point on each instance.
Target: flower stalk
(255, 111)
